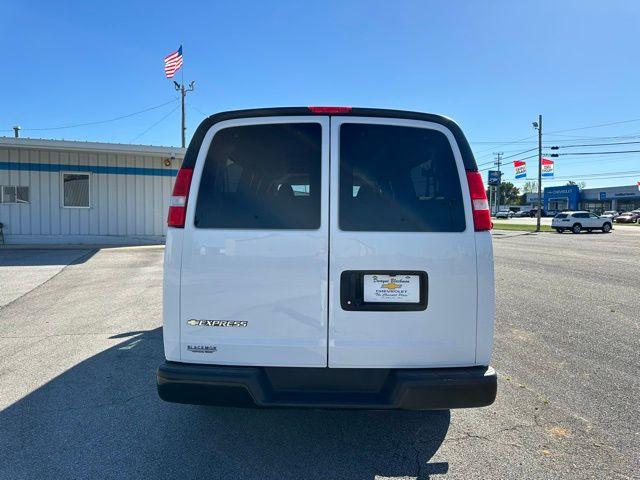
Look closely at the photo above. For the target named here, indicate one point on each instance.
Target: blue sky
(493, 66)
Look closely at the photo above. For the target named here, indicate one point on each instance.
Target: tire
(606, 228)
(577, 228)
(560, 230)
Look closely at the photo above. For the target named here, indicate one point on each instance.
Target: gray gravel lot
(78, 353)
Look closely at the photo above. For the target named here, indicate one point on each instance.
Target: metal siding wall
(44, 196)
(15, 210)
(120, 205)
(102, 196)
(56, 201)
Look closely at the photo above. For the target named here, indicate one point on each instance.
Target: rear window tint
(395, 178)
(262, 177)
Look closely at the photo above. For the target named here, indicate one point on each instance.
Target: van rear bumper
(289, 387)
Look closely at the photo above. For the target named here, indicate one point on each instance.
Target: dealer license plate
(392, 288)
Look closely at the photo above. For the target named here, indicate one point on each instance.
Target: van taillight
(330, 109)
(178, 201)
(479, 203)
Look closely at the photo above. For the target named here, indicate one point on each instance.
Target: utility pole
(183, 93)
(16, 131)
(498, 162)
(538, 125)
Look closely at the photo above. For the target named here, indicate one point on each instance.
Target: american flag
(173, 62)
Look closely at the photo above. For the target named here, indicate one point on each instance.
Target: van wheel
(577, 228)
(606, 228)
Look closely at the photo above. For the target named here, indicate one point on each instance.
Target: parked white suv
(328, 257)
(578, 221)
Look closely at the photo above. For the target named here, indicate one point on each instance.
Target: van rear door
(402, 254)
(255, 255)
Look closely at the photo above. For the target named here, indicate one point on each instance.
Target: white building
(83, 192)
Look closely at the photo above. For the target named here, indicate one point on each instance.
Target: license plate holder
(383, 290)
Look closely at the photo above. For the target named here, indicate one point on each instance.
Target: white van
(328, 257)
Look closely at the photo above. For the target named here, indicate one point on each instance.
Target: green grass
(522, 228)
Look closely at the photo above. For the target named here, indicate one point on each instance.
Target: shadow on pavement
(103, 419)
(25, 257)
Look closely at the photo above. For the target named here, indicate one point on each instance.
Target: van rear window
(395, 178)
(262, 177)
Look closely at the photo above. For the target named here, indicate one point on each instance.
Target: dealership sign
(521, 168)
(494, 177)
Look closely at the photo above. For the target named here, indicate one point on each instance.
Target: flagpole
(183, 94)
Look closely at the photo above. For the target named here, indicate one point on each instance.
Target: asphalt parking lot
(79, 345)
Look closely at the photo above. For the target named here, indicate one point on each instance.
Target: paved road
(77, 398)
(22, 270)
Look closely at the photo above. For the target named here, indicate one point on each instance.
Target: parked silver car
(612, 214)
(504, 214)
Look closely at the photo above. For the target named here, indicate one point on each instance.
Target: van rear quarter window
(262, 177)
(396, 178)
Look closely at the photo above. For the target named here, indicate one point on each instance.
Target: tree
(508, 194)
(530, 186)
(580, 185)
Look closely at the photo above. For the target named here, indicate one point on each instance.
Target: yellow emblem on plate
(391, 285)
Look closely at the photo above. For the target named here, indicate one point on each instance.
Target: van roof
(198, 137)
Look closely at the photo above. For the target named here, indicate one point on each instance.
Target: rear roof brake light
(330, 109)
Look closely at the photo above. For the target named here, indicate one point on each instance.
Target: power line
(595, 144)
(595, 126)
(595, 138)
(510, 156)
(198, 110)
(598, 153)
(592, 176)
(154, 124)
(555, 132)
(507, 143)
(501, 142)
(520, 153)
(508, 163)
(99, 122)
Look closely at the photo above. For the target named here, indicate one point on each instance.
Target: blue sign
(494, 177)
(603, 195)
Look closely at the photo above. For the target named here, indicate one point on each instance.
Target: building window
(75, 190)
(14, 194)
(596, 206)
